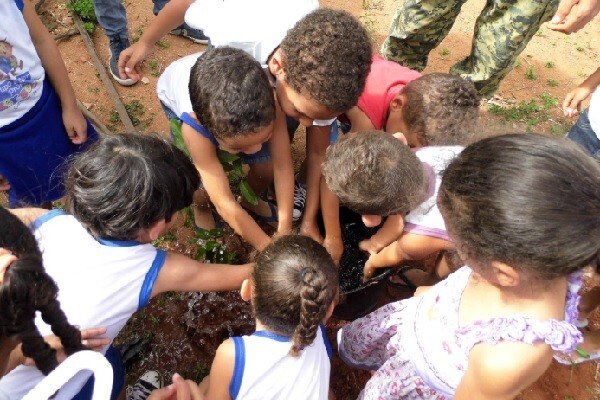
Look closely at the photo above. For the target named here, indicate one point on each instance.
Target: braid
(314, 301)
(70, 336)
(34, 346)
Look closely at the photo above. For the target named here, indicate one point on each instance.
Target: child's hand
(75, 124)
(312, 231)
(4, 183)
(369, 270)
(572, 103)
(180, 389)
(131, 59)
(370, 246)
(335, 248)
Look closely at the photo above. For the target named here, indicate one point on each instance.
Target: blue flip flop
(270, 219)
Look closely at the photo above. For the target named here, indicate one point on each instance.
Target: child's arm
(283, 173)
(28, 215)
(169, 18)
(330, 208)
(359, 120)
(390, 231)
(216, 385)
(180, 389)
(182, 274)
(75, 123)
(503, 370)
(216, 184)
(317, 141)
(573, 99)
(409, 247)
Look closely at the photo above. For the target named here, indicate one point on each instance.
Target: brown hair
(373, 173)
(530, 201)
(327, 57)
(441, 109)
(295, 282)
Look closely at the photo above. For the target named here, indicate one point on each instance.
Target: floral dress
(420, 351)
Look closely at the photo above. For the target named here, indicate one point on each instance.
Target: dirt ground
(550, 66)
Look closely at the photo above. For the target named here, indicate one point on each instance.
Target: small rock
(145, 80)
(88, 105)
(67, 21)
(83, 58)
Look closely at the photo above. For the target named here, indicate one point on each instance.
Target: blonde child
(523, 212)
(40, 123)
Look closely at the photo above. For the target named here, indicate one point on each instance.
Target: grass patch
(530, 73)
(552, 82)
(531, 112)
(550, 64)
(85, 10)
(445, 52)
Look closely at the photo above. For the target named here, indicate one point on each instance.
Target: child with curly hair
(25, 288)
(523, 211)
(40, 123)
(317, 60)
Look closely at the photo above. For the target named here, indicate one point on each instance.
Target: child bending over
(375, 174)
(123, 193)
(230, 106)
(433, 110)
(520, 210)
(292, 291)
(40, 124)
(316, 60)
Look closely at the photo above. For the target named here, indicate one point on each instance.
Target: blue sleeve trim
(150, 278)
(45, 218)
(238, 367)
(187, 118)
(271, 335)
(118, 243)
(19, 4)
(326, 341)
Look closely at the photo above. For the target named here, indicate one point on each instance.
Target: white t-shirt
(100, 282)
(265, 370)
(172, 86)
(21, 70)
(594, 112)
(426, 219)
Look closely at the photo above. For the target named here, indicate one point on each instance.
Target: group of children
(514, 208)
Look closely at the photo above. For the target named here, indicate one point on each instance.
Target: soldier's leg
(418, 27)
(501, 33)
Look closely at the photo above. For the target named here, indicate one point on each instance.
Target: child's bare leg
(390, 231)
(419, 248)
(259, 177)
(203, 217)
(589, 302)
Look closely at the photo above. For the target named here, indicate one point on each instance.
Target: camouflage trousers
(502, 31)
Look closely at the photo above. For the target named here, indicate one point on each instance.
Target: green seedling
(550, 64)
(163, 44)
(530, 74)
(211, 247)
(445, 52)
(552, 83)
(135, 109)
(85, 10)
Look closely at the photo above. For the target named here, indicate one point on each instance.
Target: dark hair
(374, 173)
(230, 93)
(441, 109)
(295, 282)
(127, 182)
(327, 56)
(530, 201)
(27, 288)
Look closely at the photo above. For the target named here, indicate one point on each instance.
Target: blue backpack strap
(187, 118)
(19, 4)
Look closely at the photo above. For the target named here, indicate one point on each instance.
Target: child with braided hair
(24, 289)
(292, 293)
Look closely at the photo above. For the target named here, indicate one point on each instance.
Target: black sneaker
(195, 35)
(143, 387)
(299, 200)
(117, 45)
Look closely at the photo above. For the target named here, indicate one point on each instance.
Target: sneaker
(143, 387)
(117, 45)
(195, 35)
(299, 200)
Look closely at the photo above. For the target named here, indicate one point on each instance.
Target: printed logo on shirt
(14, 86)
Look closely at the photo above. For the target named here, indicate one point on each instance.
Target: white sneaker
(299, 200)
(141, 390)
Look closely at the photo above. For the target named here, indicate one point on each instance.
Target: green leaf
(200, 254)
(226, 157)
(247, 192)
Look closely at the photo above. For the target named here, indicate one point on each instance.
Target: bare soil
(183, 330)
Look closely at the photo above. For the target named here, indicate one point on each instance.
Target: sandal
(579, 356)
(408, 285)
(270, 219)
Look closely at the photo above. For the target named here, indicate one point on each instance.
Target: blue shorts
(114, 358)
(583, 134)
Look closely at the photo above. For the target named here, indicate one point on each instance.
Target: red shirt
(385, 80)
